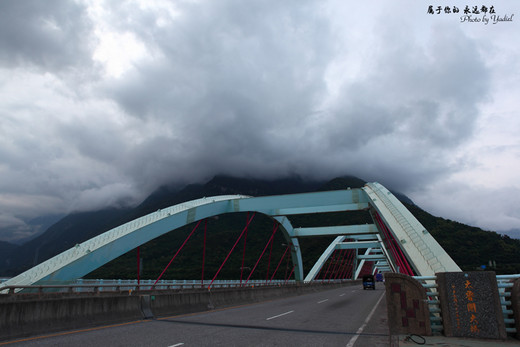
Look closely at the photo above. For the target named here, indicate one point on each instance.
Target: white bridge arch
(423, 253)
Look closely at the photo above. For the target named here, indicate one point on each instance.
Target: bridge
(394, 242)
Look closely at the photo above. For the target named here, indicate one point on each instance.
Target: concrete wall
(38, 316)
(406, 306)
(29, 315)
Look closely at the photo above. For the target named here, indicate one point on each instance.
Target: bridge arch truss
(390, 216)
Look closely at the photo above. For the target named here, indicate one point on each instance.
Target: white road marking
(283, 314)
(177, 344)
(319, 302)
(360, 330)
(342, 294)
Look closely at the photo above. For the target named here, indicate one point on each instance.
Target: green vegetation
(472, 247)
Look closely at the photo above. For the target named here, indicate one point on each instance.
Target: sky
(101, 102)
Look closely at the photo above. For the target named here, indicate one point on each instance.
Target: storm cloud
(102, 102)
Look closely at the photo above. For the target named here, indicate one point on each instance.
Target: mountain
(470, 247)
(6, 249)
(70, 230)
(39, 225)
(512, 233)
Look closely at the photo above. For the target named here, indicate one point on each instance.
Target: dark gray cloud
(52, 34)
(243, 88)
(246, 98)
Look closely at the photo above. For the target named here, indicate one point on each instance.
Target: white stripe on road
(342, 294)
(360, 330)
(283, 314)
(319, 302)
(176, 345)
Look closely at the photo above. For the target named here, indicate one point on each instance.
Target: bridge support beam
(323, 259)
(296, 253)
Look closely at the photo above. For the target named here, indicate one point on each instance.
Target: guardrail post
(515, 304)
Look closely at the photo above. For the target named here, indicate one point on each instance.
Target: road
(348, 316)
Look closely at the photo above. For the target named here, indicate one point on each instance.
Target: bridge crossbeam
(357, 245)
(371, 257)
(362, 229)
(319, 209)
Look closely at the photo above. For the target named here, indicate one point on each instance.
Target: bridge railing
(113, 286)
(503, 282)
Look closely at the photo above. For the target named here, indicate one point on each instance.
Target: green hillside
(472, 247)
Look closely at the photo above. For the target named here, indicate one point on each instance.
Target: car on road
(368, 282)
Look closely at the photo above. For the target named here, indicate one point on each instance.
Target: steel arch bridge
(394, 242)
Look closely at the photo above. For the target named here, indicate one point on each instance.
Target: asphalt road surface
(348, 316)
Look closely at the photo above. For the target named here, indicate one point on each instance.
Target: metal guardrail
(503, 282)
(428, 282)
(112, 286)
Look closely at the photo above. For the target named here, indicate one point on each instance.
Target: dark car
(368, 282)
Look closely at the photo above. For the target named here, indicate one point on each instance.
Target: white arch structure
(424, 254)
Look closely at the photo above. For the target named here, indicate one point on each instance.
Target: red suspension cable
(389, 240)
(347, 262)
(270, 242)
(243, 253)
(283, 256)
(330, 262)
(340, 264)
(178, 251)
(319, 273)
(344, 268)
(204, 251)
(334, 263)
(398, 253)
(138, 267)
(350, 268)
(231, 251)
(397, 249)
(269, 262)
(287, 278)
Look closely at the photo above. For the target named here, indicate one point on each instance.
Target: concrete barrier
(406, 306)
(20, 318)
(26, 315)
